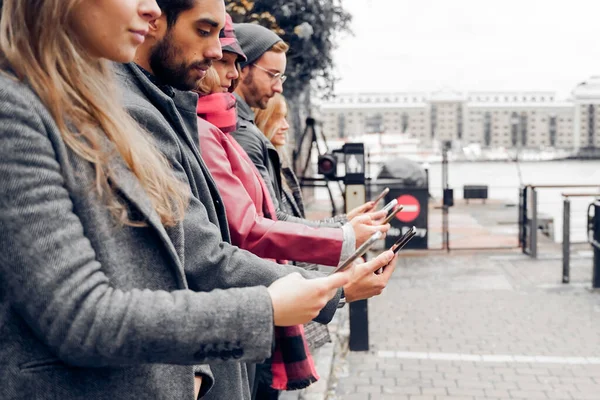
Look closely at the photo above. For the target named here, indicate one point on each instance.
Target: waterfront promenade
(478, 326)
(473, 325)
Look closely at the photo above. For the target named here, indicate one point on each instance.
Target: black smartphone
(403, 240)
(392, 214)
(359, 252)
(381, 196)
(400, 243)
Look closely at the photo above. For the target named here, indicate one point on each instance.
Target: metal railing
(566, 234)
(528, 214)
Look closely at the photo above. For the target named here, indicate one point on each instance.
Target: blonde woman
(94, 302)
(272, 122)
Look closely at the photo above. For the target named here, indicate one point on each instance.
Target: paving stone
(478, 327)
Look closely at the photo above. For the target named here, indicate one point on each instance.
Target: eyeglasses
(274, 76)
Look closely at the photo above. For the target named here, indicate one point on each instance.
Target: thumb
(367, 206)
(295, 276)
(380, 261)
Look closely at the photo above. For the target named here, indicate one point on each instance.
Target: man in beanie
(262, 76)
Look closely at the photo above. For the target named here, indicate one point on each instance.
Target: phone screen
(403, 240)
(359, 252)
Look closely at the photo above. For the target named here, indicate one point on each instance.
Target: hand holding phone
(401, 242)
(380, 197)
(358, 253)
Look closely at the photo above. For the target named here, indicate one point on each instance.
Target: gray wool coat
(93, 310)
(212, 261)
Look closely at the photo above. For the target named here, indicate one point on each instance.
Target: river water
(505, 178)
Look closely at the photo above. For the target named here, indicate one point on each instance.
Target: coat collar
(244, 110)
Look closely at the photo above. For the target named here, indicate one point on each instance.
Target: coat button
(225, 355)
(213, 354)
(237, 353)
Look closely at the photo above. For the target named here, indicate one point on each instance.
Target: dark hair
(172, 8)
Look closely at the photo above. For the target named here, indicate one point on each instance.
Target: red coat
(246, 200)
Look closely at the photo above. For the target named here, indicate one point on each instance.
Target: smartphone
(400, 243)
(381, 196)
(359, 252)
(390, 205)
(393, 214)
(403, 240)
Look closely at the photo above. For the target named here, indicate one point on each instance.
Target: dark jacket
(90, 309)
(212, 262)
(259, 149)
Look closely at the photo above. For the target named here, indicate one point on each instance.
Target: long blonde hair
(265, 119)
(79, 92)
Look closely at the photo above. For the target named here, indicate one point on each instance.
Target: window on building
(374, 124)
(552, 129)
(487, 129)
(591, 125)
(524, 128)
(341, 126)
(404, 122)
(514, 124)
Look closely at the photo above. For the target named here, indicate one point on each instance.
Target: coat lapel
(130, 188)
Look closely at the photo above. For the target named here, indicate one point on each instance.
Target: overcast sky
(428, 45)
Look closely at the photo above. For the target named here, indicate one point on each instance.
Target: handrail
(580, 194)
(561, 186)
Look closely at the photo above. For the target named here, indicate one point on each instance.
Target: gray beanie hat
(255, 40)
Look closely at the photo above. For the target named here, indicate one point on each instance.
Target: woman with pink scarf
(253, 222)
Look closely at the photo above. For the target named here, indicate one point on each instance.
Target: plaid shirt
(292, 203)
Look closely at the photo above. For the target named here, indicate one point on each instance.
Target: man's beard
(168, 71)
(253, 98)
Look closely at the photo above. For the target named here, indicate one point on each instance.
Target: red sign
(411, 209)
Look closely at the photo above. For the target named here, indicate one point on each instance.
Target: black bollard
(355, 195)
(595, 241)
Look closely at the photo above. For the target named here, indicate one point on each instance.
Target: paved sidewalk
(478, 326)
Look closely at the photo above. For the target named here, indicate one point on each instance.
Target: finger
(378, 262)
(337, 280)
(381, 214)
(364, 219)
(365, 207)
(381, 228)
(294, 276)
(390, 268)
(358, 261)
